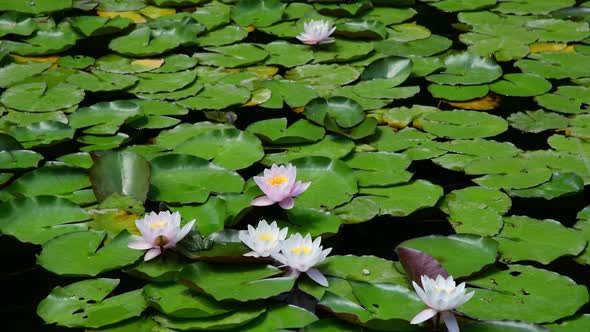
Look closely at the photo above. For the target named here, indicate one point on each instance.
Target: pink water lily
(279, 186)
(159, 231)
(316, 32)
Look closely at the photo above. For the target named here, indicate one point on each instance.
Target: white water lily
(264, 239)
(317, 32)
(279, 186)
(301, 255)
(441, 296)
(159, 231)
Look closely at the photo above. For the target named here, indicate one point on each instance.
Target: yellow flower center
(158, 224)
(302, 249)
(277, 180)
(266, 237)
(438, 290)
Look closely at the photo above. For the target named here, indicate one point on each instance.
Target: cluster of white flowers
(161, 231)
(299, 253)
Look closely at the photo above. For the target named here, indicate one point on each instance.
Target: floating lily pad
(416, 195)
(230, 148)
(333, 182)
(38, 97)
(216, 97)
(258, 13)
(187, 179)
(476, 252)
(101, 81)
(537, 121)
(527, 239)
(521, 85)
(232, 56)
(525, 287)
(463, 124)
(239, 282)
(77, 253)
(467, 69)
(124, 173)
(38, 219)
(15, 73)
(85, 304)
(567, 99)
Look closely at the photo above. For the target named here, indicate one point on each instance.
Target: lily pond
(320, 166)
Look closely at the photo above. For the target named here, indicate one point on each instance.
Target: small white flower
(441, 296)
(264, 239)
(301, 255)
(279, 186)
(159, 231)
(317, 32)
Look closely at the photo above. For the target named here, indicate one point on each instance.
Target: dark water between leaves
(23, 284)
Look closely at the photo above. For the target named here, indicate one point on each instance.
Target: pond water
(457, 128)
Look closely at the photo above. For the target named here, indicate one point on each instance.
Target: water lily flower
(441, 296)
(279, 186)
(264, 239)
(317, 32)
(159, 231)
(301, 255)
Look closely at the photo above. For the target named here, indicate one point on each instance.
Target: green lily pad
(228, 34)
(99, 26)
(230, 320)
(422, 47)
(232, 56)
(16, 23)
(38, 219)
(360, 209)
(216, 97)
(50, 180)
(476, 252)
(188, 179)
(179, 301)
(331, 146)
(370, 169)
(78, 254)
(556, 64)
(282, 317)
(503, 326)
(344, 112)
(459, 92)
(158, 37)
(258, 13)
(163, 82)
(526, 7)
(537, 121)
(102, 81)
(560, 184)
(230, 148)
(509, 173)
(121, 6)
(322, 75)
(19, 159)
(209, 216)
(567, 99)
(342, 50)
(404, 199)
(526, 288)
(117, 64)
(524, 238)
(369, 269)
(275, 131)
(14, 73)
(476, 210)
(85, 304)
(463, 124)
(287, 55)
(332, 182)
(44, 133)
(213, 14)
(463, 5)
(576, 323)
(311, 221)
(44, 42)
(124, 173)
(362, 29)
(239, 282)
(467, 69)
(39, 97)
